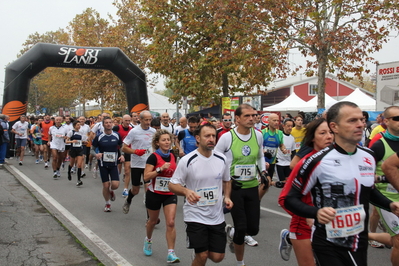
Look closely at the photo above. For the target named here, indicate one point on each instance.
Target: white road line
(110, 252)
(275, 212)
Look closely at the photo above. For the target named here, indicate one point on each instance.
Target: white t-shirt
(57, 137)
(68, 128)
(203, 175)
(98, 128)
(21, 128)
(178, 129)
(139, 138)
(84, 131)
(168, 128)
(289, 143)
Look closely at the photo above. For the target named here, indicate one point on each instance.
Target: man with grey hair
(139, 139)
(4, 137)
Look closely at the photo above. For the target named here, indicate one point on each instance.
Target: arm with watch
(151, 171)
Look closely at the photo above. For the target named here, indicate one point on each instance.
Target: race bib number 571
(348, 221)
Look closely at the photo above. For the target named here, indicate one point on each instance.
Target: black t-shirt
(303, 151)
(152, 159)
(379, 149)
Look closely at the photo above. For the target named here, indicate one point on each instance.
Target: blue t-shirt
(108, 145)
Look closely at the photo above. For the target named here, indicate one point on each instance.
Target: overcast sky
(20, 18)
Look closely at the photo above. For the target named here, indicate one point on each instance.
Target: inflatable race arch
(20, 72)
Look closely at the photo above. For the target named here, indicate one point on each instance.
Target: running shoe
(147, 247)
(73, 170)
(67, 159)
(250, 241)
(172, 258)
(37, 161)
(107, 208)
(46, 165)
(125, 193)
(55, 174)
(83, 175)
(86, 166)
(375, 244)
(62, 165)
(41, 158)
(79, 183)
(112, 195)
(58, 173)
(126, 207)
(20, 162)
(284, 247)
(228, 228)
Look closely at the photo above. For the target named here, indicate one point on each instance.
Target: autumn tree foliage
(203, 52)
(338, 34)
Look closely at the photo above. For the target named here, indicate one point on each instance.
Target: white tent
(291, 103)
(328, 100)
(365, 102)
(161, 104)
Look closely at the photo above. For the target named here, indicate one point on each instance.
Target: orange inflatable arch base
(20, 72)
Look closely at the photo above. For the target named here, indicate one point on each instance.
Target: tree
(339, 34)
(201, 51)
(367, 82)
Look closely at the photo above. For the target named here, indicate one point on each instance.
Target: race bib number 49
(209, 196)
(348, 221)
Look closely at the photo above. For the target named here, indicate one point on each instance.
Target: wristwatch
(158, 170)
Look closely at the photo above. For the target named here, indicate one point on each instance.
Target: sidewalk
(29, 234)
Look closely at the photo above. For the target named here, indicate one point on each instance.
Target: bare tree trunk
(225, 85)
(84, 108)
(321, 80)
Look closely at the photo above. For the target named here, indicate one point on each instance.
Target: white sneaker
(250, 241)
(58, 173)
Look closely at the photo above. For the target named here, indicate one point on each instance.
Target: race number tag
(38, 135)
(245, 171)
(270, 150)
(59, 136)
(209, 196)
(77, 144)
(161, 184)
(348, 221)
(391, 189)
(109, 156)
(297, 145)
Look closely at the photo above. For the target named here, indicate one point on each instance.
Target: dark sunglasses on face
(394, 118)
(226, 120)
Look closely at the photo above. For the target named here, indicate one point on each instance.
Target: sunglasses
(394, 118)
(226, 120)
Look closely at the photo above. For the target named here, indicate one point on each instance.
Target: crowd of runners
(326, 171)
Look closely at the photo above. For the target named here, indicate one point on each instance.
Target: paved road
(117, 239)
